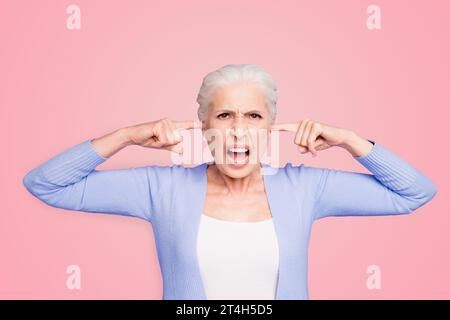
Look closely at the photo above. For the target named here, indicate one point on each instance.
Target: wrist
(348, 139)
(356, 145)
(124, 136)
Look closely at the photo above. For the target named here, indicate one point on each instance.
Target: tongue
(239, 156)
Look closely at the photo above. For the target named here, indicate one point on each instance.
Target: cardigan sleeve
(69, 181)
(393, 187)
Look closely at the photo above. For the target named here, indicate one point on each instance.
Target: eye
(223, 115)
(255, 116)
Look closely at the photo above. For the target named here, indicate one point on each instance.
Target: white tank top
(238, 260)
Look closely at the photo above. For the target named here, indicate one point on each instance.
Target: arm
(394, 187)
(69, 180)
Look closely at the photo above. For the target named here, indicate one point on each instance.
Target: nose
(239, 128)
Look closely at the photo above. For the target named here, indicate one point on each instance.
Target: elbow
(50, 193)
(426, 191)
(38, 186)
(430, 192)
(29, 182)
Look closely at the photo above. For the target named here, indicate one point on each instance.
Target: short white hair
(233, 73)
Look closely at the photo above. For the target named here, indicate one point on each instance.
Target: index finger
(184, 125)
(291, 126)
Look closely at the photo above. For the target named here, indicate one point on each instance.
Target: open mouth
(239, 154)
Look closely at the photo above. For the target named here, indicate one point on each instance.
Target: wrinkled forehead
(239, 98)
(239, 109)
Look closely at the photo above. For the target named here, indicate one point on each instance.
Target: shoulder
(300, 181)
(168, 174)
(295, 173)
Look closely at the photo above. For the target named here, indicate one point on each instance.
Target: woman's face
(236, 128)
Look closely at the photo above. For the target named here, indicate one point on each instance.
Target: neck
(234, 186)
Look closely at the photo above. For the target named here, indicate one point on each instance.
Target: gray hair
(232, 73)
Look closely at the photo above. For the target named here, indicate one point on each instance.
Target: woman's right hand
(160, 134)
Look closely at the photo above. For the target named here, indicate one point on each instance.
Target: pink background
(137, 61)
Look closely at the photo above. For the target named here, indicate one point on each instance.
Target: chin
(238, 171)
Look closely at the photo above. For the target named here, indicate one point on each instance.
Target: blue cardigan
(171, 198)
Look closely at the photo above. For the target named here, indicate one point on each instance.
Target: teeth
(238, 150)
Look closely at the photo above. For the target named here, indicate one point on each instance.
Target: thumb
(302, 149)
(319, 144)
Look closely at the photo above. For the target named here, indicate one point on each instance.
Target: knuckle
(158, 127)
(159, 124)
(164, 122)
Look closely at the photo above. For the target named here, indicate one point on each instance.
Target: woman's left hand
(312, 136)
